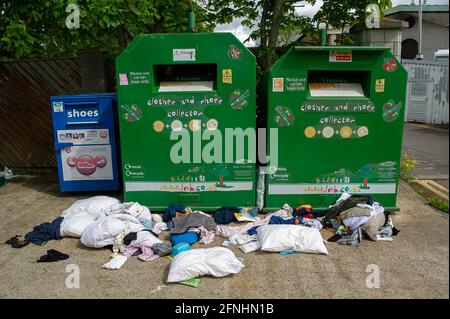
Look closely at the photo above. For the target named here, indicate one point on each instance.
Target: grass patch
(438, 203)
(430, 197)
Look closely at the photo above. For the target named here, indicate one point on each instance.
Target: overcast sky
(242, 32)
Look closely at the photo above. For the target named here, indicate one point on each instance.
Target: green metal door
(194, 83)
(339, 113)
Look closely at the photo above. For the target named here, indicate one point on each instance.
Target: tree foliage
(268, 19)
(37, 28)
(346, 13)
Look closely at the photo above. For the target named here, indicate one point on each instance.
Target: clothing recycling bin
(339, 113)
(85, 142)
(177, 94)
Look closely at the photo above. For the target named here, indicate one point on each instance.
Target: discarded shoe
(17, 241)
(52, 256)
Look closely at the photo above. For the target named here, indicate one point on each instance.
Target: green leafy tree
(346, 13)
(267, 18)
(37, 28)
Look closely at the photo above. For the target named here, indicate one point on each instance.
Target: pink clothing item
(206, 236)
(159, 227)
(147, 254)
(129, 251)
(228, 231)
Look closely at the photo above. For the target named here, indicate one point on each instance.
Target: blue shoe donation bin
(85, 142)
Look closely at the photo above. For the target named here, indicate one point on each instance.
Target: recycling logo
(391, 111)
(390, 65)
(239, 99)
(131, 113)
(284, 116)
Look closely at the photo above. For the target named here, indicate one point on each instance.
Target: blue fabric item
(279, 220)
(288, 252)
(172, 210)
(225, 215)
(178, 248)
(147, 223)
(252, 231)
(42, 233)
(252, 212)
(189, 237)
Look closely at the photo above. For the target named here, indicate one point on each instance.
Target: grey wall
(435, 37)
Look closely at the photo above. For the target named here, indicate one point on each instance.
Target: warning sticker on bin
(184, 55)
(341, 56)
(379, 85)
(227, 76)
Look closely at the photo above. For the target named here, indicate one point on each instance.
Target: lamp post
(323, 27)
(191, 22)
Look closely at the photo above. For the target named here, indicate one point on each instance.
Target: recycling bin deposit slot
(338, 84)
(200, 77)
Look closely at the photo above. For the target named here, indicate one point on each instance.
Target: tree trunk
(277, 16)
(122, 36)
(263, 25)
(277, 13)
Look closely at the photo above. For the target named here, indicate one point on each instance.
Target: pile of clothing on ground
(355, 216)
(130, 229)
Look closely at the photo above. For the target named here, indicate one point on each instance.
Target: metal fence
(427, 96)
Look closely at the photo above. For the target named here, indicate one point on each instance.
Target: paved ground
(430, 147)
(415, 265)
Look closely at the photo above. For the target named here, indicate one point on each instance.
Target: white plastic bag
(96, 206)
(102, 232)
(75, 225)
(145, 238)
(217, 261)
(277, 238)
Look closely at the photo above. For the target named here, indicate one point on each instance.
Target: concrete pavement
(429, 146)
(414, 265)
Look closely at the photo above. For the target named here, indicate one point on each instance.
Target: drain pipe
(420, 54)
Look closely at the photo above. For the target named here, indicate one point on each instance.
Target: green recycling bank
(339, 113)
(194, 83)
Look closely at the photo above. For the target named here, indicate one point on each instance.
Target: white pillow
(217, 261)
(145, 238)
(93, 206)
(276, 238)
(75, 225)
(102, 232)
